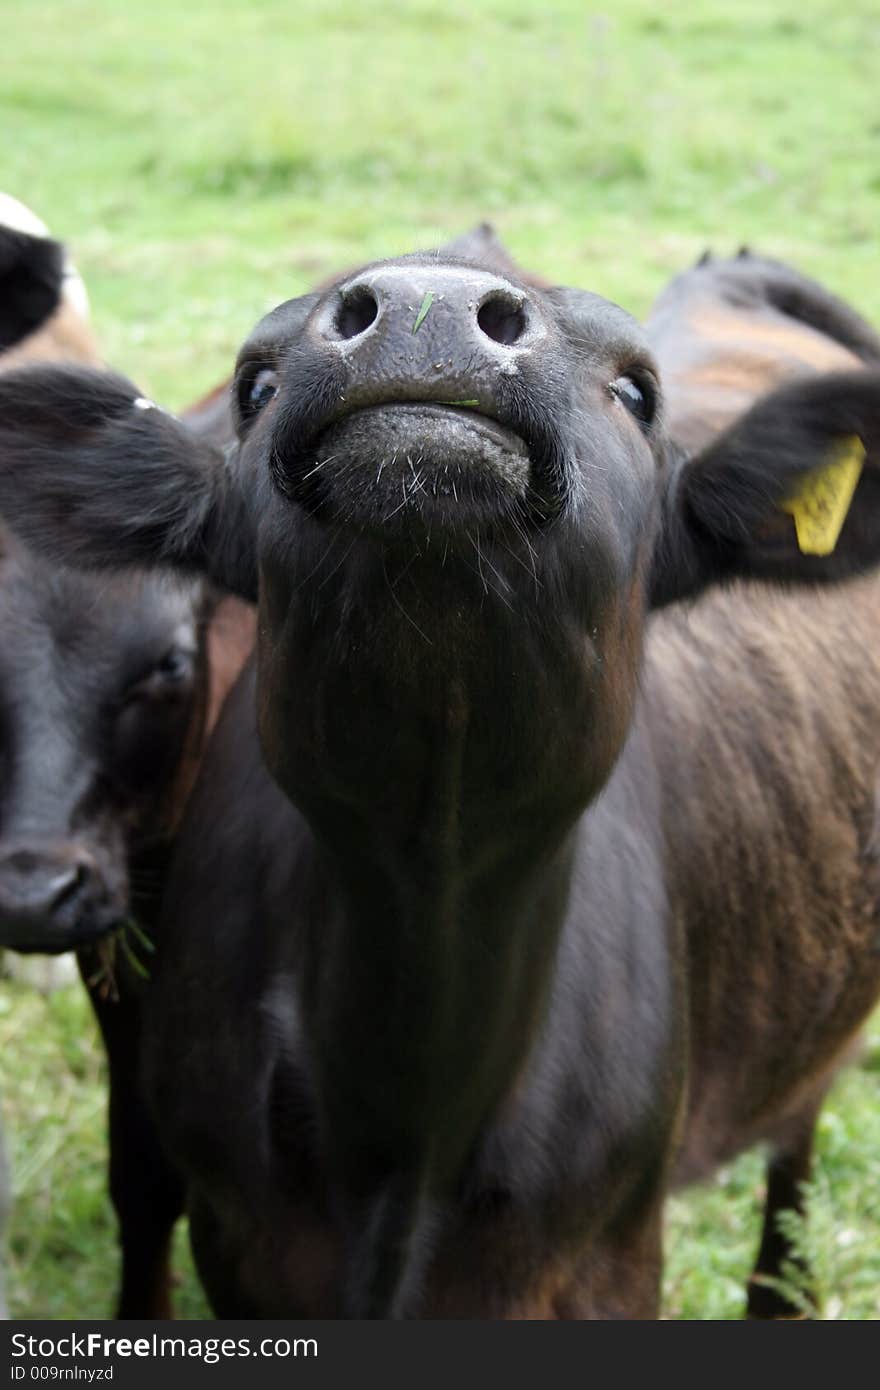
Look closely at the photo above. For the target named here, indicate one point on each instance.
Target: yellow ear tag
(823, 497)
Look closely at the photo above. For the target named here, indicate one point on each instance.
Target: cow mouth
(448, 463)
(47, 939)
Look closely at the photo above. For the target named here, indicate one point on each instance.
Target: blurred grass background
(207, 161)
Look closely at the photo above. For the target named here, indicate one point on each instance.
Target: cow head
(99, 685)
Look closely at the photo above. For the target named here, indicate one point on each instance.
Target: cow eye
(176, 664)
(173, 671)
(637, 396)
(257, 390)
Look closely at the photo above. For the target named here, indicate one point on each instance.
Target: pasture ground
(207, 161)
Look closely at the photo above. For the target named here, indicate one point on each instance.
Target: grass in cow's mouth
(467, 403)
(104, 979)
(424, 310)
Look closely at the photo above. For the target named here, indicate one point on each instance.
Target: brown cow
(724, 333)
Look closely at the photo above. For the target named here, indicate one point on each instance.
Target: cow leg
(147, 1191)
(788, 1169)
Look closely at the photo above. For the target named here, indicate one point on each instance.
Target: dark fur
(59, 409)
(434, 1027)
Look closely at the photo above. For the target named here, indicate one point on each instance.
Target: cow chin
(396, 466)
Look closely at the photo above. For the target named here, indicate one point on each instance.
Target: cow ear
(790, 492)
(93, 474)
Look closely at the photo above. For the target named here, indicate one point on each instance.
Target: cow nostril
(502, 319)
(69, 885)
(359, 308)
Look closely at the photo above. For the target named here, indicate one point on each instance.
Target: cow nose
(37, 885)
(391, 302)
(47, 895)
(423, 331)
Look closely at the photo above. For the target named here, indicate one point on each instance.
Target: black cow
(103, 686)
(108, 687)
(540, 916)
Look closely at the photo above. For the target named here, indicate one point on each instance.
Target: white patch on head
(18, 218)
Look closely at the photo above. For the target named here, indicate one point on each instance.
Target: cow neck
(442, 808)
(429, 978)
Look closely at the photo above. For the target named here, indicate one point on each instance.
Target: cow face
(459, 480)
(98, 684)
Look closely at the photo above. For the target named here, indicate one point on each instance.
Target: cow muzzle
(425, 410)
(54, 899)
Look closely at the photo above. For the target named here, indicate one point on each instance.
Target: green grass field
(207, 161)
